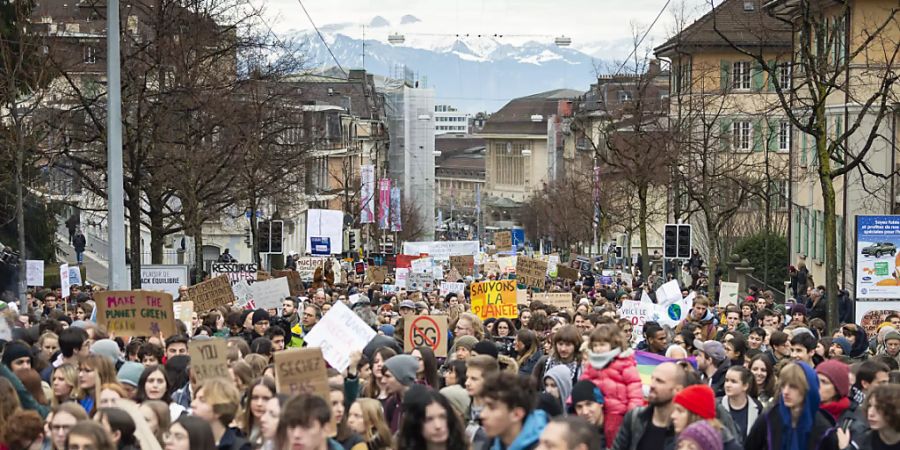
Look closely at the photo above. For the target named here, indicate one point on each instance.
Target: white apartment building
(448, 119)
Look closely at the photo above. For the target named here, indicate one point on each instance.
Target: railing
(777, 290)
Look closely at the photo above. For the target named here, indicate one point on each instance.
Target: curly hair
(409, 437)
(886, 399)
(29, 427)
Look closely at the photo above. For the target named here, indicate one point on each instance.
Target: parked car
(880, 248)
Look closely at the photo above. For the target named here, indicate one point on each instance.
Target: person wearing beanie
(587, 402)
(699, 400)
(129, 375)
(794, 421)
(399, 373)
(713, 363)
(834, 389)
(259, 320)
(109, 349)
(700, 436)
(463, 346)
(840, 346)
(17, 356)
(458, 398)
(798, 315)
(891, 345)
(486, 348)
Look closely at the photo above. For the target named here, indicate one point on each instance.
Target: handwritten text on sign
(135, 313)
(531, 272)
(208, 359)
(301, 371)
(494, 299)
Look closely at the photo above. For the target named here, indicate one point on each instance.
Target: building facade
(448, 119)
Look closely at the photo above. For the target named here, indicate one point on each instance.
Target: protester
(509, 418)
(740, 398)
(430, 424)
(366, 418)
(189, 433)
(303, 422)
(570, 433)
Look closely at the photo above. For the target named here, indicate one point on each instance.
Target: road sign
(426, 331)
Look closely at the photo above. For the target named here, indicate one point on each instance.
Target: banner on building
(877, 268)
(163, 277)
(367, 193)
(396, 219)
(384, 204)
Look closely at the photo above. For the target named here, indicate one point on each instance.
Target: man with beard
(650, 427)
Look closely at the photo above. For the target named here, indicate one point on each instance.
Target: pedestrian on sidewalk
(72, 225)
(79, 242)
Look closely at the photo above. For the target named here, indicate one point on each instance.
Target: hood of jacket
(861, 346)
(798, 437)
(562, 376)
(531, 431)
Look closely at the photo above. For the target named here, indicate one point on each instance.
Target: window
(508, 163)
(778, 194)
(740, 132)
(90, 55)
(784, 76)
(741, 75)
(625, 96)
(784, 136)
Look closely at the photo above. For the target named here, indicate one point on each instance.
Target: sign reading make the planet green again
(135, 313)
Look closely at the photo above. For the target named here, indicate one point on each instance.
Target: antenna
(364, 48)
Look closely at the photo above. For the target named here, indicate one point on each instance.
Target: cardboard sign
(301, 371)
(495, 299)
(376, 274)
(557, 299)
(235, 271)
(465, 264)
(447, 287)
(503, 241)
(566, 272)
(531, 272)
(728, 293)
(262, 275)
(295, 284)
(522, 297)
(339, 333)
(136, 313)
(454, 275)
(306, 267)
(426, 331)
(491, 267)
(184, 311)
(209, 359)
(211, 293)
(34, 272)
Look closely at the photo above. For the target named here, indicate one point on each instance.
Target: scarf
(837, 408)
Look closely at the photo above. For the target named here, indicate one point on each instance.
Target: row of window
(737, 76)
(746, 135)
(451, 119)
(808, 233)
(451, 128)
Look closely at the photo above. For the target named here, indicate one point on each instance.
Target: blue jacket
(528, 438)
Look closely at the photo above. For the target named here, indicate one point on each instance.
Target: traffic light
(670, 248)
(263, 235)
(276, 236)
(353, 240)
(684, 242)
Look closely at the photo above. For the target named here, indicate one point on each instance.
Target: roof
(742, 22)
(355, 93)
(459, 153)
(516, 116)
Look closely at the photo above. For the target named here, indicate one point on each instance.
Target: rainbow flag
(647, 361)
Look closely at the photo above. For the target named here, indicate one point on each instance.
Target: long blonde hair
(373, 416)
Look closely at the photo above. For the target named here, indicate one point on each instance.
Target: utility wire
(625, 61)
(323, 37)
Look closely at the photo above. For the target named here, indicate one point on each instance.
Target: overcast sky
(583, 20)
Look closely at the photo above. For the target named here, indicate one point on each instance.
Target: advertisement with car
(877, 258)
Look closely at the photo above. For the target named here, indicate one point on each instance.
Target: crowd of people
(754, 375)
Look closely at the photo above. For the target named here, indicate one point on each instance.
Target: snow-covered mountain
(472, 72)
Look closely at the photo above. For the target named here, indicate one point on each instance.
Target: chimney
(653, 69)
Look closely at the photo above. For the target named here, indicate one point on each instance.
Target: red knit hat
(838, 373)
(698, 399)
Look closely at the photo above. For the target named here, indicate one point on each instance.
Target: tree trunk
(132, 203)
(712, 234)
(157, 225)
(829, 207)
(642, 226)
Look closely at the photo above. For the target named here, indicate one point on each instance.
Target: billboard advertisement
(877, 258)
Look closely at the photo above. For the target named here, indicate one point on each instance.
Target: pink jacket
(619, 382)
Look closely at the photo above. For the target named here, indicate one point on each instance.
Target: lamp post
(118, 276)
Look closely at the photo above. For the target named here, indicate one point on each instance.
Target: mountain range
(470, 72)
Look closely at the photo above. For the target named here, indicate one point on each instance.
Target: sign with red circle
(427, 331)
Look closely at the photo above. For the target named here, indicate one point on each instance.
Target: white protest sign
(438, 272)
(422, 265)
(552, 261)
(389, 288)
(354, 299)
(64, 280)
(34, 272)
(402, 276)
(447, 287)
(671, 314)
(75, 276)
(728, 293)
(441, 250)
(307, 266)
(637, 313)
(235, 271)
(5, 330)
(338, 334)
(668, 293)
(420, 282)
(243, 296)
(270, 294)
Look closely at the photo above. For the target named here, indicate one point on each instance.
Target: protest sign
(552, 262)
(269, 294)
(64, 281)
(438, 272)
(507, 263)
(566, 272)
(420, 282)
(427, 331)
(728, 293)
(301, 371)
(522, 297)
(243, 296)
(441, 250)
(638, 313)
(491, 267)
(671, 314)
(402, 277)
(465, 264)
(872, 313)
(34, 272)
(339, 333)
(5, 331)
(235, 271)
(209, 359)
(295, 283)
(448, 287)
(184, 311)
(306, 267)
(531, 272)
(668, 293)
(262, 275)
(421, 265)
(557, 299)
(503, 241)
(389, 288)
(495, 299)
(163, 277)
(211, 293)
(376, 274)
(75, 276)
(135, 313)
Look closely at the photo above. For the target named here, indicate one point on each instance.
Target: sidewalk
(96, 268)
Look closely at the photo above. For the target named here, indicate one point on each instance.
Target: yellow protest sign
(495, 299)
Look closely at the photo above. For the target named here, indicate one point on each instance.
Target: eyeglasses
(168, 436)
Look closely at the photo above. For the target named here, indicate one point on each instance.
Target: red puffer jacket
(619, 382)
